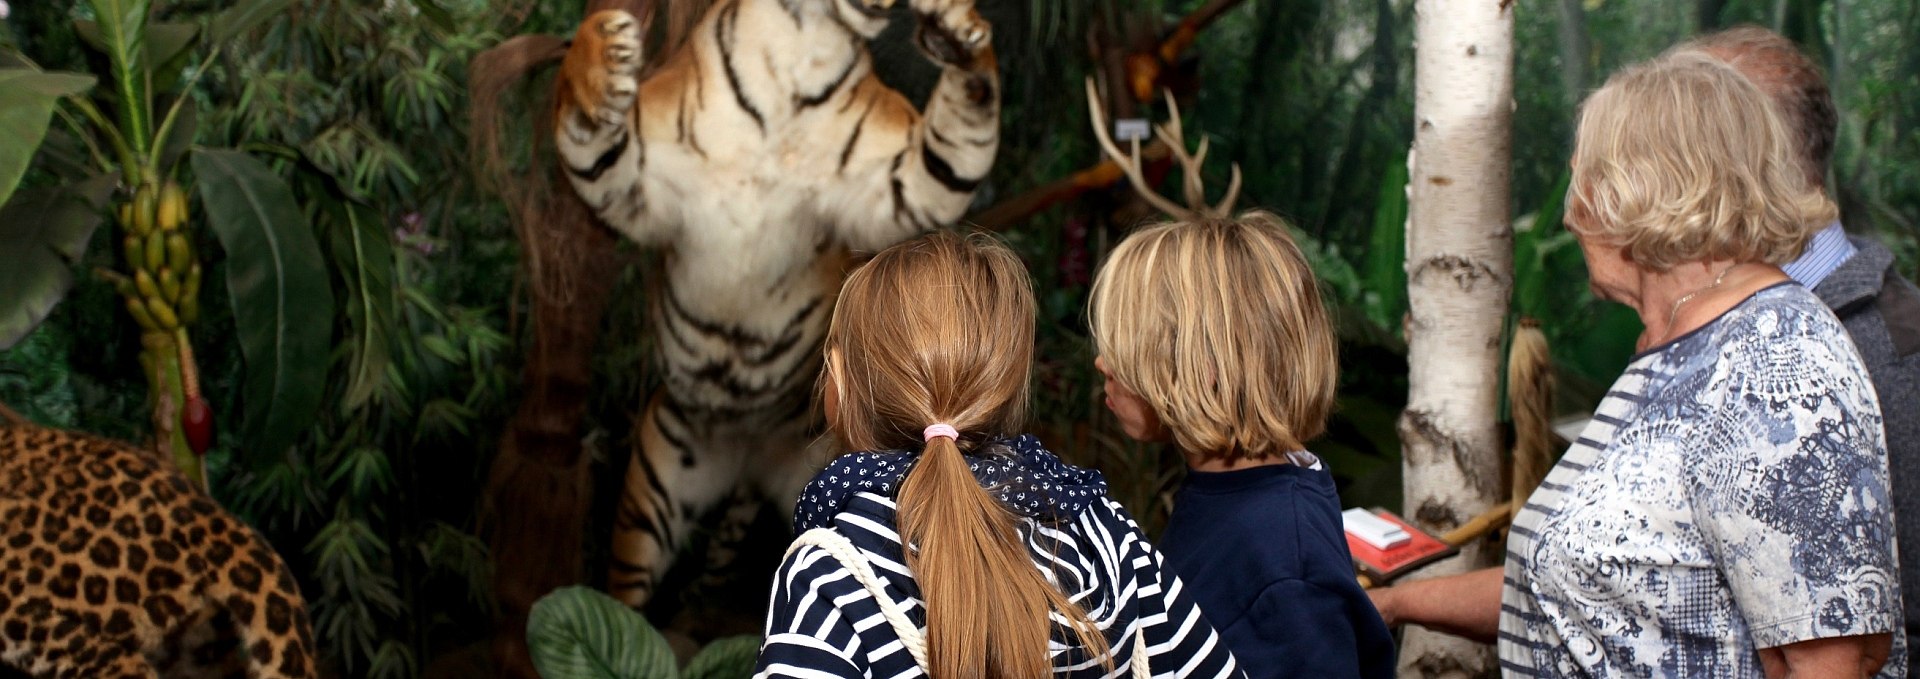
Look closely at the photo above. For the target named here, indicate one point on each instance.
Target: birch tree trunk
(1459, 275)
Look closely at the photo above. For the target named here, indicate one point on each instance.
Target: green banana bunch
(144, 202)
(164, 291)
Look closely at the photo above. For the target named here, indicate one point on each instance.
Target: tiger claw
(976, 36)
(619, 53)
(603, 65)
(954, 36)
(621, 90)
(623, 44)
(617, 24)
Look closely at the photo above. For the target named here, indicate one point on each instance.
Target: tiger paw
(602, 64)
(954, 35)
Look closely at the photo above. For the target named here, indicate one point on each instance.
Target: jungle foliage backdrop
(361, 107)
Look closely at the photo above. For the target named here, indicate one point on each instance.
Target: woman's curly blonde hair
(1682, 159)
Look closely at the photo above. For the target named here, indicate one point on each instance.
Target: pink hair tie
(940, 429)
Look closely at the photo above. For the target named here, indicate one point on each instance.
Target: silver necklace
(1717, 280)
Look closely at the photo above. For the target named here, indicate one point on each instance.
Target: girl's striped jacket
(822, 623)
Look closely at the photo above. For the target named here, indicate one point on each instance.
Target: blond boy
(1212, 336)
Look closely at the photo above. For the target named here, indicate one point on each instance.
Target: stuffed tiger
(758, 156)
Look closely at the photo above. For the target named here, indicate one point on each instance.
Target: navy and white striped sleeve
(807, 635)
(1180, 640)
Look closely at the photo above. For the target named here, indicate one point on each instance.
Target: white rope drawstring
(849, 556)
(1139, 660)
(842, 550)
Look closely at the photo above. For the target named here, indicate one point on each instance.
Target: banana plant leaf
(180, 139)
(122, 29)
(163, 45)
(27, 98)
(282, 302)
(580, 633)
(43, 233)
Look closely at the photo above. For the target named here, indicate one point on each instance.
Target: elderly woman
(1726, 513)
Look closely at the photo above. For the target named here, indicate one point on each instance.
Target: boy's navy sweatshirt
(1263, 552)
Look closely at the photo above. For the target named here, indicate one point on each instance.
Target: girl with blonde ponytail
(1020, 565)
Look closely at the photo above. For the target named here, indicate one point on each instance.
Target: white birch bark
(1460, 272)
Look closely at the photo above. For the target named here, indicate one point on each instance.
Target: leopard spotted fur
(113, 566)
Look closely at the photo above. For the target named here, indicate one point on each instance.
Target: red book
(1383, 565)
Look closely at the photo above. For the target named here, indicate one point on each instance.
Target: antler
(1190, 164)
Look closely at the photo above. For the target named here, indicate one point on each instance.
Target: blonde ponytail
(987, 605)
(940, 329)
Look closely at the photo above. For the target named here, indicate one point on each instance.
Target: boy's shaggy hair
(1218, 325)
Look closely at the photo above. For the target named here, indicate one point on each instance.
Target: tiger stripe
(719, 158)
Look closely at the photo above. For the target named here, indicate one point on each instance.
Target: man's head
(1790, 79)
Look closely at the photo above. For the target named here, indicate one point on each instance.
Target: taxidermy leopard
(115, 567)
(758, 157)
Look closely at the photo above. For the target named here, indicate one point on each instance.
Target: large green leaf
(729, 658)
(363, 253)
(243, 16)
(579, 633)
(1534, 268)
(1385, 267)
(123, 36)
(164, 44)
(179, 139)
(277, 282)
(43, 232)
(27, 98)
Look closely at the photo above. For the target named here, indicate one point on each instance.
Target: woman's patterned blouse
(1730, 495)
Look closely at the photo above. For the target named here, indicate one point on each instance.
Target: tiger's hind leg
(726, 540)
(741, 551)
(785, 473)
(677, 472)
(786, 456)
